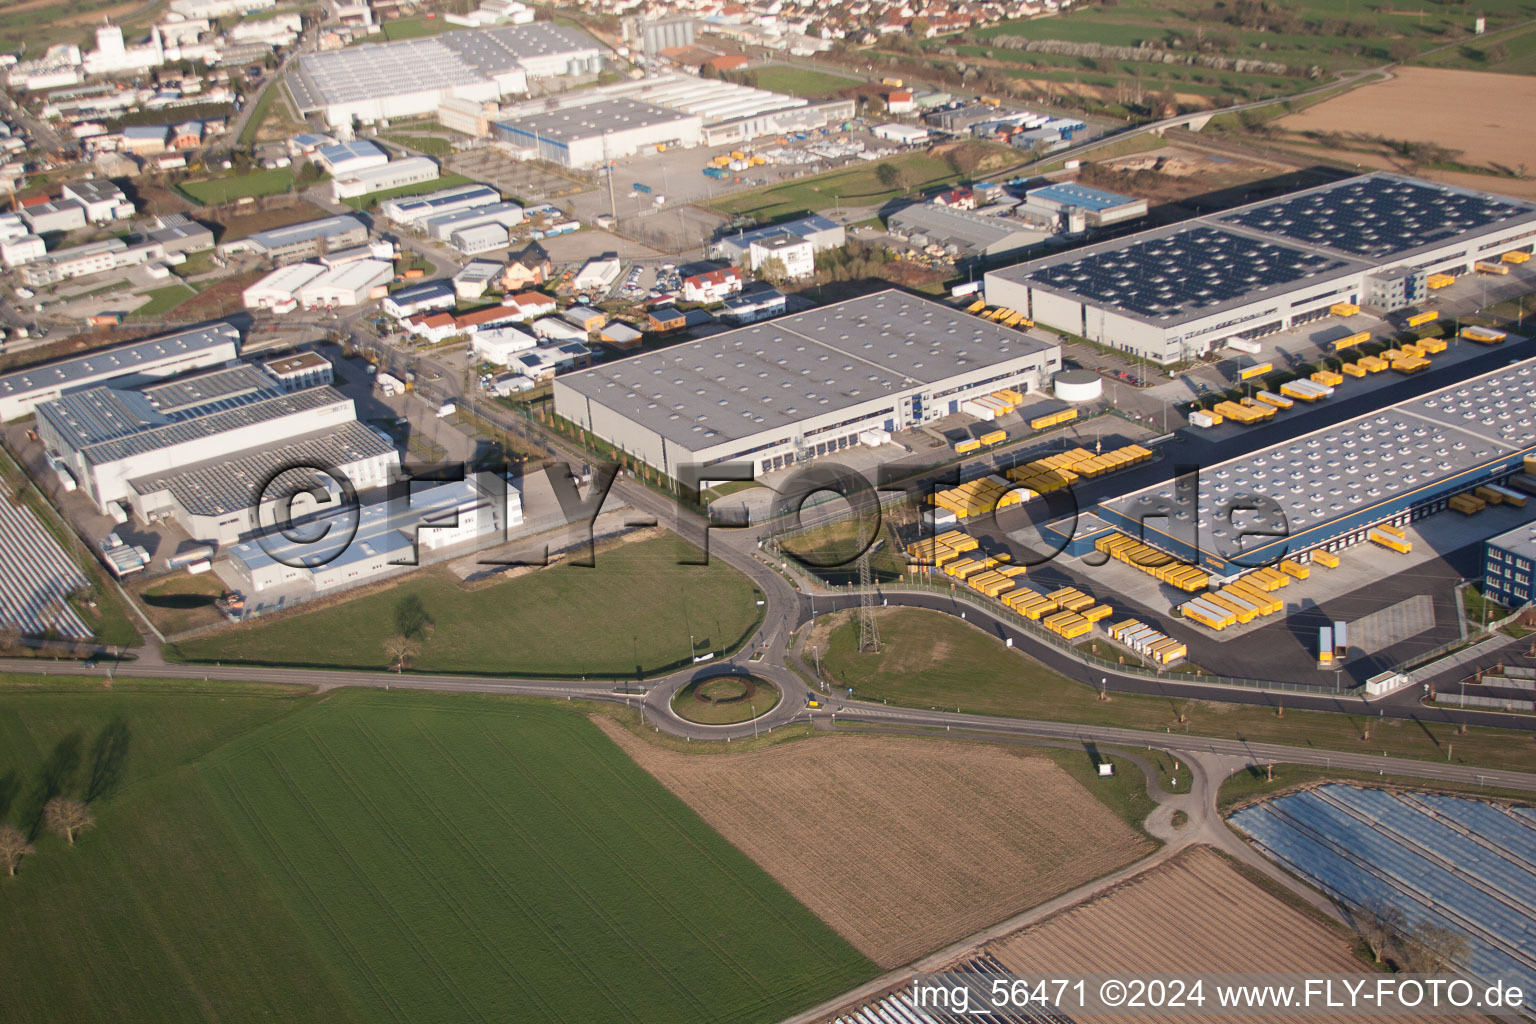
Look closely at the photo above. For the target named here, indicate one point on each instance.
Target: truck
(187, 556)
(643, 189)
(446, 409)
(1247, 345)
(717, 173)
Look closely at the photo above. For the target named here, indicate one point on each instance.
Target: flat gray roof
(1521, 540)
(119, 361)
(770, 375)
(230, 483)
(422, 65)
(975, 230)
(211, 425)
(582, 122)
(277, 238)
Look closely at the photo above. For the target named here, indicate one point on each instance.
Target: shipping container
(1325, 558)
(1427, 316)
(1485, 267)
(1482, 335)
(1434, 281)
(1343, 309)
(1515, 256)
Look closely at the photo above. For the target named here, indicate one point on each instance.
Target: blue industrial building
(1507, 562)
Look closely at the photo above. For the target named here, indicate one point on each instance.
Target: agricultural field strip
(881, 907)
(1195, 913)
(1408, 858)
(36, 573)
(768, 995)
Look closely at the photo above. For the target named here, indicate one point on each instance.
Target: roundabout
(726, 699)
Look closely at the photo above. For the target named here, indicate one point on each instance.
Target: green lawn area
(163, 300)
(933, 660)
(636, 607)
(851, 186)
(196, 263)
(431, 145)
(800, 82)
(217, 191)
(414, 28)
(1332, 34)
(263, 105)
(373, 199)
(371, 856)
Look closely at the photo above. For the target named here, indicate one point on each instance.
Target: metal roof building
(970, 234)
(21, 391)
(584, 135)
(800, 386)
(373, 82)
(821, 232)
(302, 241)
(1329, 487)
(1176, 292)
(215, 499)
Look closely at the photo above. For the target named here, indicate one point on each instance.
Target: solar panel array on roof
(211, 425)
(1184, 270)
(1377, 216)
(1358, 464)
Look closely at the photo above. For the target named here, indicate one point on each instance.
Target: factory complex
(412, 77)
(1179, 291)
(585, 127)
(800, 386)
(1329, 489)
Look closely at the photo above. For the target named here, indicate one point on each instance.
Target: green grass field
(636, 607)
(163, 300)
(218, 191)
(415, 28)
(370, 856)
(933, 660)
(373, 199)
(263, 107)
(800, 82)
(852, 186)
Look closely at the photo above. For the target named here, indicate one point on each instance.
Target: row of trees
(1416, 949)
(63, 816)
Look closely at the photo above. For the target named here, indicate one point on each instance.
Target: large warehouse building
(801, 386)
(1391, 466)
(22, 391)
(413, 77)
(577, 129)
(301, 241)
(1176, 292)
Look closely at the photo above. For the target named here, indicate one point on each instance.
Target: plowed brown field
(1193, 915)
(902, 845)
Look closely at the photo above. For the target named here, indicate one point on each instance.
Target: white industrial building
(102, 200)
(441, 226)
(303, 241)
(626, 117)
(210, 9)
(416, 209)
(344, 158)
(480, 238)
(822, 232)
(420, 298)
(475, 278)
(412, 170)
(62, 215)
(390, 535)
(350, 284)
(90, 258)
(904, 134)
(23, 249)
(497, 345)
(588, 133)
(1073, 207)
(414, 76)
(125, 365)
(279, 290)
(787, 390)
(597, 275)
(1176, 292)
(108, 436)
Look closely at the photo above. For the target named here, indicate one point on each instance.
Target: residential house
(527, 269)
(713, 285)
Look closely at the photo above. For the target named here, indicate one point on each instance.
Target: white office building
(350, 284)
(413, 170)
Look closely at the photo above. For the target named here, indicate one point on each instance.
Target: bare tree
(13, 847)
(400, 649)
(65, 817)
(1431, 948)
(1378, 924)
